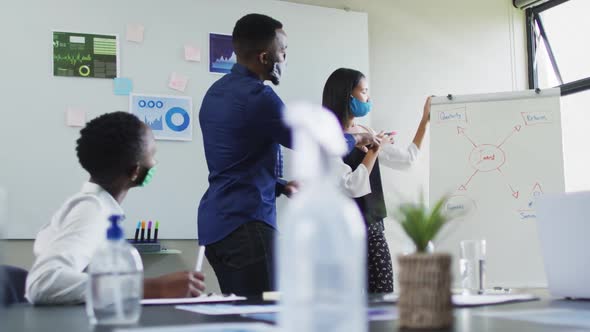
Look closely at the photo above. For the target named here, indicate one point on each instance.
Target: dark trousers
(244, 260)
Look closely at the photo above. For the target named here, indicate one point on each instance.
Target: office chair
(12, 284)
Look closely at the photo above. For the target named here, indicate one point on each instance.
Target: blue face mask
(359, 108)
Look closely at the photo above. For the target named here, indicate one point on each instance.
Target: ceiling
(354, 5)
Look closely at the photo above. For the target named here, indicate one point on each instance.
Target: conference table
(24, 317)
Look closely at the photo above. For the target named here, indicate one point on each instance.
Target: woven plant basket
(425, 291)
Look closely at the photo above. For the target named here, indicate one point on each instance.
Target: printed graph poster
(85, 55)
(221, 53)
(169, 117)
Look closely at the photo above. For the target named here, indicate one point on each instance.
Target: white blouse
(64, 246)
(398, 158)
(356, 183)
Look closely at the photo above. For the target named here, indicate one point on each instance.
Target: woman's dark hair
(111, 145)
(254, 33)
(337, 92)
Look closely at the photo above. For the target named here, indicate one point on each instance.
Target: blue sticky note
(122, 86)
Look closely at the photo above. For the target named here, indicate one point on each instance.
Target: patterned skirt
(380, 269)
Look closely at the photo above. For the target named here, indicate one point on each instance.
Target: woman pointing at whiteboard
(346, 94)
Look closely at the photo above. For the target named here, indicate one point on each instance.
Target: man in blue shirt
(241, 121)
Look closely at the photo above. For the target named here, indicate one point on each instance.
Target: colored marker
(156, 231)
(149, 231)
(142, 231)
(137, 231)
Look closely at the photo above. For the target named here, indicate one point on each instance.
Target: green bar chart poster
(85, 55)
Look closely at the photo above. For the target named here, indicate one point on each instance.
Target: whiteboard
(493, 154)
(37, 150)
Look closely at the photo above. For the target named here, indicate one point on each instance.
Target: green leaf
(422, 225)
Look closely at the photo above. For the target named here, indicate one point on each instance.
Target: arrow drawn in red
(515, 193)
(463, 187)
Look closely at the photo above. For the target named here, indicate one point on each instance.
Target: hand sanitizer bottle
(115, 286)
(322, 247)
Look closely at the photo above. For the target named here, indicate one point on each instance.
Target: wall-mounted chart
(85, 55)
(221, 53)
(169, 117)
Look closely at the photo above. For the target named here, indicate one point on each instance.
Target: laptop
(563, 223)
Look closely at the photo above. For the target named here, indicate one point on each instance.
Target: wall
(44, 157)
(423, 47)
(432, 47)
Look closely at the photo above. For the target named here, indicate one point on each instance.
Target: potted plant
(424, 278)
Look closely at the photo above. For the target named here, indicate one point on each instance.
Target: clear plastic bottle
(322, 247)
(115, 286)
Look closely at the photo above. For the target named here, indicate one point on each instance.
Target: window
(575, 117)
(558, 50)
(559, 56)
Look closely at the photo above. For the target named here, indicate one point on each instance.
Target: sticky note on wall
(122, 86)
(178, 82)
(135, 32)
(192, 53)
(75, 117)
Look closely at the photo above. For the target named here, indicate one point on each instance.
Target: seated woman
(117, 150)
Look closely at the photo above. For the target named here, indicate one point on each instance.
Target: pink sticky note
(135, 32)
(192, 53)
(177, 82)
(75, 117)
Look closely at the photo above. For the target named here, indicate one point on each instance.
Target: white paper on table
(390, 297)
(460, 300)
(550, 316)
(228, 309)
(477, 300)
(382, 313)
(191, 300)
(224, 327)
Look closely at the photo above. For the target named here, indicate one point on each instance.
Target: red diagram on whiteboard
(487, 158)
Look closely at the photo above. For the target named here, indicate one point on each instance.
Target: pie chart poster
(169, 117)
